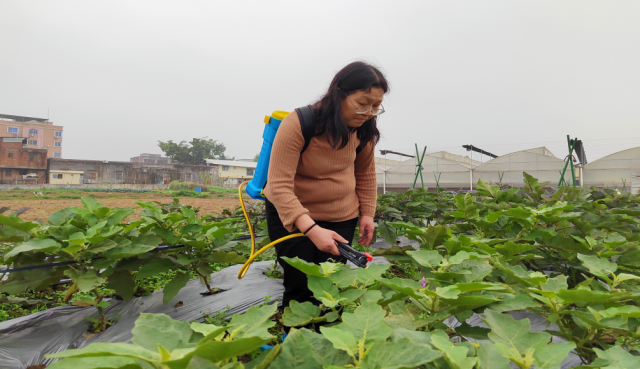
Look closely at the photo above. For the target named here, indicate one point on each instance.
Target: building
(125, 172)
(20, 163)
(39, 132)
(233, 171)
(73, 177)
(151, 158)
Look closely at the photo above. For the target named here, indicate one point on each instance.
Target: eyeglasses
(364, 110)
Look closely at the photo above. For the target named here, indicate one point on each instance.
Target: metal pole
(384, 175)
(471, 179)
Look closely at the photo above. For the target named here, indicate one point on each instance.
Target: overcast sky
(501, 75)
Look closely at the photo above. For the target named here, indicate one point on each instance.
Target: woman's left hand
(367, 230)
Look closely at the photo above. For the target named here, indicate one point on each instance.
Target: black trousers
(295, 281)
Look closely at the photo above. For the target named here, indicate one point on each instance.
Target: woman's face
(368, 99)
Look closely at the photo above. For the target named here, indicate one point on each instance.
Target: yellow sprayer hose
(255, 254)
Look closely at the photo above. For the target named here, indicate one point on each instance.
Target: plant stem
(206, 283)
(101, 318)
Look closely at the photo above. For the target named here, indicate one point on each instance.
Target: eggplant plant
(194, 244)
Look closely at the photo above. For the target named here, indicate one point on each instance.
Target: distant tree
(194, 151)
(256, 157)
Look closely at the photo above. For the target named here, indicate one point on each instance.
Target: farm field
(43, 206)
(531, 277)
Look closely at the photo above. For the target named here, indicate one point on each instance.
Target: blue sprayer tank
(255, 187)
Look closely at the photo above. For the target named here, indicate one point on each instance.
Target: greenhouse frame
(620, 170)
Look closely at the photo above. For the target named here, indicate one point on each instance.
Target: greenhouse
(619, 170)
(441, 169)
(508, 169)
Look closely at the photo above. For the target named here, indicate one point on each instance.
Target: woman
(324, 190)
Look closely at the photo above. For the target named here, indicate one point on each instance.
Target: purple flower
(423, 282)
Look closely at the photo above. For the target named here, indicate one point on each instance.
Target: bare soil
(40, 208)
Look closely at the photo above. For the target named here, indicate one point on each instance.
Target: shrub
(178, 185)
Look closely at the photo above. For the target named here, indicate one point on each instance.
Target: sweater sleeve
(366, 184)
(285, 155)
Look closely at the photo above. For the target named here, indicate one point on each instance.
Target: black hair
(357, 76)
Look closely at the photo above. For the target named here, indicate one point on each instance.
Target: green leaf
(551, 355)
(466, 205)
(265, 359)
(366, 323)
(127, 251)
(324, 290)
(17, 223)
(191, 228)
(626, 311)
(154, 267)
(513, 333)
(123, 283)
(46, 245)
(407, 286)
(555, 284)
(627, 277)
(510, 248)
(91, 204)
(102, 246)
(371, 296)
(351, 296)
(597, 266)
(436, 235)
(152, 330)
(448, 292)
(96, 363)
(587, 296)
(490, 358)
(511, 303)
(479, 286)
(616, 358)
(305, 267)
(199, 363)
(60, 217)
(109, 349)
(231, 257)
(477, 333)
(216, 351)
(399, 354)
(472, 302)
(209, 331)
(166, 235)
(405, 321)
(344, 278)
(300, 314)
(341, 340)
(255, 322)
(174, 286)
(485, 189)
(456, 356)
(418, 337)
(367, 276)
(388, 232)
(85, 281)
(426, 258)
(306, 349)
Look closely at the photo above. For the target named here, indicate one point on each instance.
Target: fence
(152, 187)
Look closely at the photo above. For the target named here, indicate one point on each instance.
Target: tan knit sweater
(330, 185)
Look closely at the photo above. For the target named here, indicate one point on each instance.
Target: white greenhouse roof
(232, 163)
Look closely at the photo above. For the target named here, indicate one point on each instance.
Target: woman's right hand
(325, 239)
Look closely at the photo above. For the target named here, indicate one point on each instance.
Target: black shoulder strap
(307, 124)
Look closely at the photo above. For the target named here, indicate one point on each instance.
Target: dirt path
(41, 208)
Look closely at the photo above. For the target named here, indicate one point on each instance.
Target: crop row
(570, 256)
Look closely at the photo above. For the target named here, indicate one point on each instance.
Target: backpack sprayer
(255, 187)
